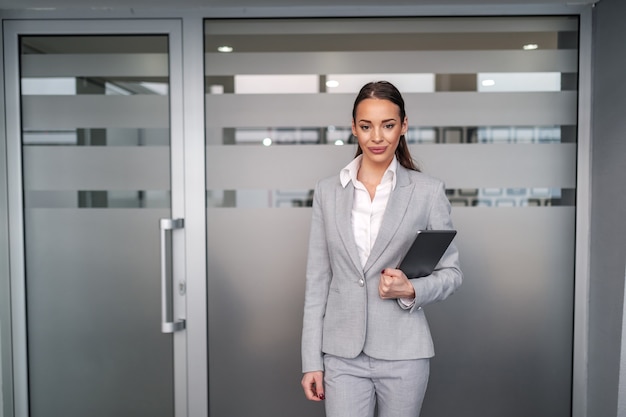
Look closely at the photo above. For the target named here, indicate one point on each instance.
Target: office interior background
(157, 168)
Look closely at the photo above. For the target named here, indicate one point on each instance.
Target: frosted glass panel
(96, 178)
(95, 346)
(504, 341)
(254, 311)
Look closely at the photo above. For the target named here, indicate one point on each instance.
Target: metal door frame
(187, 372)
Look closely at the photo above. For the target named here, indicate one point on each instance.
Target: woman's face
(378, 128)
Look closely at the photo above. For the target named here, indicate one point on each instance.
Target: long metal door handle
(168, 325)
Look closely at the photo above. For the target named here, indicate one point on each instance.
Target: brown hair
(384, 90)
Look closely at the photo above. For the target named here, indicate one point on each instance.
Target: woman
(365, 340)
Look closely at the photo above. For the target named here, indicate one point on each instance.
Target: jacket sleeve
(318, 276)
(447, 276)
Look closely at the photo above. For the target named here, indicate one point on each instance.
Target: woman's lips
(378, 149)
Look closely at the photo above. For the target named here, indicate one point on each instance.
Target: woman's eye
(389, 126)
(364, 127)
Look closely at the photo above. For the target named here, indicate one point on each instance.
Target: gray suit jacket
(343, 313)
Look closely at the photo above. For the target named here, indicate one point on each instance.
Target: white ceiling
(129, 4)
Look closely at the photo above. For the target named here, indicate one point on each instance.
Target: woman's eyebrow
(383, 121)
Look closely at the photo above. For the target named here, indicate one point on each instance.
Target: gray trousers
(356, 387)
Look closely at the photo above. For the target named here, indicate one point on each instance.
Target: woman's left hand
(394, 284)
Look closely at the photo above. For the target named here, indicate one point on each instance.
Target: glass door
(95, 149)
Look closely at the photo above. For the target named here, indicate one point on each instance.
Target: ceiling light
(267, 141)
(225, 48)
(488, 83)
(338, 142)
(332, 83)
(530, 46)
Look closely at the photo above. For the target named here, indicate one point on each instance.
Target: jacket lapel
(394, 214)
(345, 198)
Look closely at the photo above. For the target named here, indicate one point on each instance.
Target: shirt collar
(349, 172)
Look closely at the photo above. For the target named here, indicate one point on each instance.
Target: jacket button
(361, 282)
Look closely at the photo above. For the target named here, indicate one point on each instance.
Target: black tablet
(425, 252)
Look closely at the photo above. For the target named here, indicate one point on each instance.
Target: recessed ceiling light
(267, 141)
(225, 48)
(530, 46)
(488, 83)
(332, 83)
(338, 142)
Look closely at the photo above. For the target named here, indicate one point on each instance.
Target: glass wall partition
(491, 104)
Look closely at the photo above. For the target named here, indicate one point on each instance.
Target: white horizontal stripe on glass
(348, 62)
(95, 65)
(96, 168)
(460, 166)
(423, 109)
(96, 111)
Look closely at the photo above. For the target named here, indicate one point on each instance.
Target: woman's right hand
(313, 385)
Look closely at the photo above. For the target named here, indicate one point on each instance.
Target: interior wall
(608, 228)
